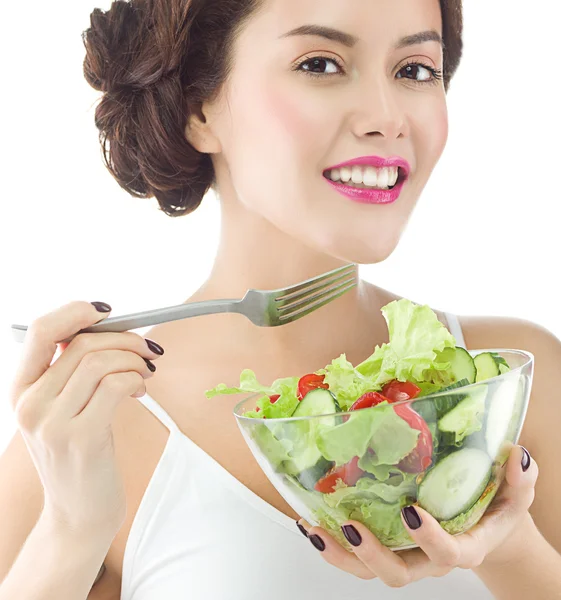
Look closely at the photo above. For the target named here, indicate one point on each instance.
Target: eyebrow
(346, 39)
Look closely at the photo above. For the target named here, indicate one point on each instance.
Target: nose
(378, 111)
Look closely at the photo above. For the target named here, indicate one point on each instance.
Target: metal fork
(263, 308)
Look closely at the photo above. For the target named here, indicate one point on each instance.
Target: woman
(262, 99)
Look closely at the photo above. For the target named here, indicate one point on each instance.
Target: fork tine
(310, 283)
(290, 299)
(322, 300)
(290, 306)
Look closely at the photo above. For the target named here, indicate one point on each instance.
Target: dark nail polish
(352, 535)
(154, 347)
(101, 307)
(302, 529)
(411, 517)
(525, 459)
(317, 542)
(150, 364)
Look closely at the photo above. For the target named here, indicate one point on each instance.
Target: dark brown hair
(156, 62)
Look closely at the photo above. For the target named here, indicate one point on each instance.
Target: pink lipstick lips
(371, 195)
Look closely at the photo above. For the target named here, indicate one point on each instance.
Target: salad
(365, 465)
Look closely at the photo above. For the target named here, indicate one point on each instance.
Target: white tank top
(200, 534)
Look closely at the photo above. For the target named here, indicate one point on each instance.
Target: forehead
(374, 22)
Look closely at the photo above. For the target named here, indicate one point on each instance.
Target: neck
(254, 254)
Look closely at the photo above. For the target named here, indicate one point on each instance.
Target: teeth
(345, 174)
(370, 177)
(335, 174)
(357, 174)
(383, 178)
(365, 176)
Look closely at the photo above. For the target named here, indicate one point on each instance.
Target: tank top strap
(160, 414)
(455, 329)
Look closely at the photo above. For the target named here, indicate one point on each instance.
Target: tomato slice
(420, 457)
(310, 382)
(350, 473)
(400, 390)
(369, 399)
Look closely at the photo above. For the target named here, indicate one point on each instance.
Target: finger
(89, 377)
(511, 503)
(333, 553)
(395, 569)
(56, 378)
(112, 390)
(469, 549)
(40, 342)
(89, 343)
(443, 550)
(519, 487)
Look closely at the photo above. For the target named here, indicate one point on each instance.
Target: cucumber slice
(466, 417)
(500, 361)
(309, 477)
(500, 416)
(462, 366)
(486, 366)
(442, 404)
(305, 454)
(455, 483)
(317, 402)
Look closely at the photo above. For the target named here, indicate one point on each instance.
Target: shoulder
(508, 332)
(521, 334)
(543, 418)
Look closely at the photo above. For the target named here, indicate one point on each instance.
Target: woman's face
(296, 105)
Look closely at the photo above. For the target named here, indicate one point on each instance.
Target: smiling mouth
(367, 177)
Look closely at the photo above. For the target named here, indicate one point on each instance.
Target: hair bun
(112, 42)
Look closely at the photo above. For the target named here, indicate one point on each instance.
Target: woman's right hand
(64, 411)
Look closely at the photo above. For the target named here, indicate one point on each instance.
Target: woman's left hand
(493, 537)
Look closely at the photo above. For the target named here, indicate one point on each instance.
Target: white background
(485, 238)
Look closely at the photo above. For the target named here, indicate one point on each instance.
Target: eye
(414, 70)
(319, 66)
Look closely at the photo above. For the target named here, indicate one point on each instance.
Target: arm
(532, 571)
(64, 564)
(25, 546)
(529, 564)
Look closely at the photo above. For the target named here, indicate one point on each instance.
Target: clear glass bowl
(500, 403)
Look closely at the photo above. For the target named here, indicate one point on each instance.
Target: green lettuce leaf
(416, 337)
(394, 488)
(381, 429)
(286, 387)
(276, 450)
(382, 472)
(392, 437)
(345, 382)
(341, 443)
(368, 489)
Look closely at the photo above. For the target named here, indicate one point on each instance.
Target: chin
(357, 249)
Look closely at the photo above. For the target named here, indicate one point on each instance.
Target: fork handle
(148, 317)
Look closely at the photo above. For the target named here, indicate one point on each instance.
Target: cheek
(287, 122)
(433, 130)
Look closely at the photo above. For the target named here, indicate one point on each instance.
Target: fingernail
(411, 517)
(317, 542)
(525, 459)
(150, 364)
(352, 535)
(102, 307)
(156, 348)
(302, 529)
